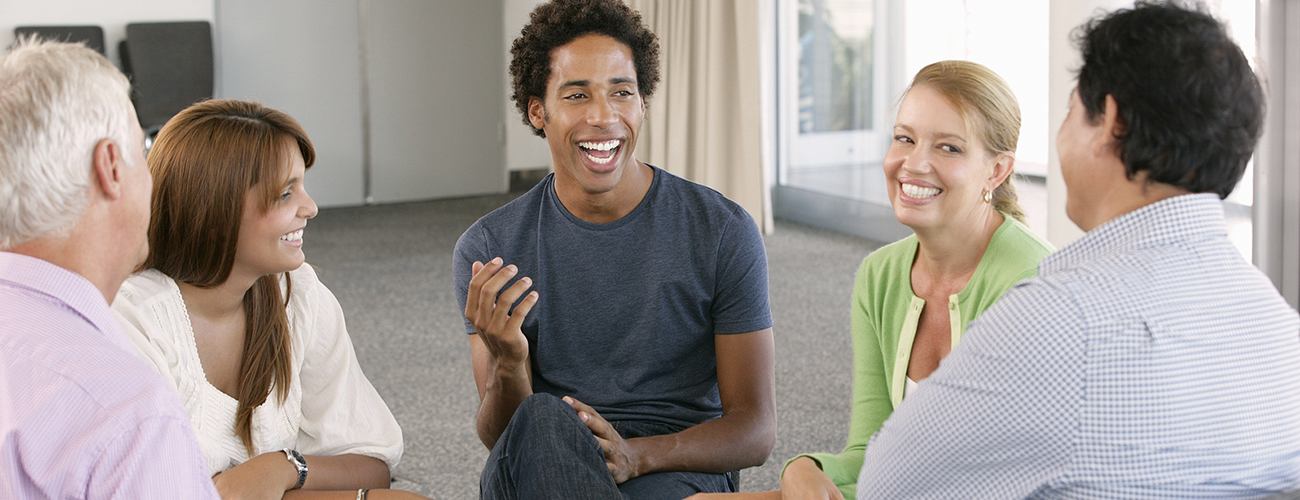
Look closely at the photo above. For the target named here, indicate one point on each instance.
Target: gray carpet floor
(390, 265)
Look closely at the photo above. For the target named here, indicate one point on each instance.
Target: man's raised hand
(488, 308)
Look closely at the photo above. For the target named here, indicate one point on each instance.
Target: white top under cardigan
(331, 408)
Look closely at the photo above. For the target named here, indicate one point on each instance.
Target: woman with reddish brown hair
(228, 311)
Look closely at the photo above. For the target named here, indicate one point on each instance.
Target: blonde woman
(948, 171)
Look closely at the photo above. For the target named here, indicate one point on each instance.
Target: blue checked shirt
(1147, 360)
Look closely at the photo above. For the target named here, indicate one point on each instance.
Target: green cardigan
(884, 319)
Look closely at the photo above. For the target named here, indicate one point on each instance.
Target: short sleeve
(342, 413)
(472, 246)
(740, 302)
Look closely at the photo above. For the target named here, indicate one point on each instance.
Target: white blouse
(331, 408)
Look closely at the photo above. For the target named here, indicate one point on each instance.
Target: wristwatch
(298, 462)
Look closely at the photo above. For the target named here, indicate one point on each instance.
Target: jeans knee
(546, 446)
(543, 404)
(541, 422)
(546, 414)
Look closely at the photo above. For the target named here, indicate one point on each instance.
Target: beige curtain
(705, 119)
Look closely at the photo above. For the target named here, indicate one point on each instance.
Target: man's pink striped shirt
(81, 415)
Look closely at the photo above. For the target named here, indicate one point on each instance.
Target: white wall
(523, 149)
(421, 80)
(1277, 178)
(435, 97)
(1005, 35)
(1064, 59)
(112, 16)
(301, 57)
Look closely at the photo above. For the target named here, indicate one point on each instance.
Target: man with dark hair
(1147, 359)
(641, 362)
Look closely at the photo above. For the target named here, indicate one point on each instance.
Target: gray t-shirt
(628, 309)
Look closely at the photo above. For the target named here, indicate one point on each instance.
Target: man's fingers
(471, 296)
(599, 427)
(577, 406)
(606, 446)
(487, 293)
(480, 274)
(508, 297)
(594, 421)
(516, 321)
(606, 449)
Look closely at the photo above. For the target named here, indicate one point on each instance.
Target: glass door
(832, 87)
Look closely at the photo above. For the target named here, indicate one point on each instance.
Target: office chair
(92, 36)
(171, 67)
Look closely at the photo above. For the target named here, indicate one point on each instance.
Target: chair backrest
(170, 67)
(93, 36)
(124, 54)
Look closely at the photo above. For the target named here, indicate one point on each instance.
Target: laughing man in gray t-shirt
(638, 357)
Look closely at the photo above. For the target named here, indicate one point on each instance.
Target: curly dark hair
(1191, 108)
(558, 22)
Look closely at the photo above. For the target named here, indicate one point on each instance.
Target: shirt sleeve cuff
(810, 456)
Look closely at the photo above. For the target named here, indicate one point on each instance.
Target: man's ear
(536, 112)
(106, 168)
(1112, 126)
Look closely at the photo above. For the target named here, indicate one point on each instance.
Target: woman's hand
(803, 480)
(264, 477)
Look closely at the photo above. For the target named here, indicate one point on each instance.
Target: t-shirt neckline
(622, 221)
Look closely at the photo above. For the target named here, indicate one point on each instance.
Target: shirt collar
(60, 285)
(1180, 218)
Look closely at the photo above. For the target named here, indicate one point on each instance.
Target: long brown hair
(990, 109)
(204, 161)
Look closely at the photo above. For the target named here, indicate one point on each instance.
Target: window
(832, 88)
(832, 138)
(1239, 16)
(841, 65)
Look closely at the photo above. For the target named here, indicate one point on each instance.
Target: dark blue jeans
(546, 452)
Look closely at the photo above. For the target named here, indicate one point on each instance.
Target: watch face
(300, 463)
(296, 458)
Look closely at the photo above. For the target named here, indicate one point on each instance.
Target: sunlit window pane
(835, 65)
